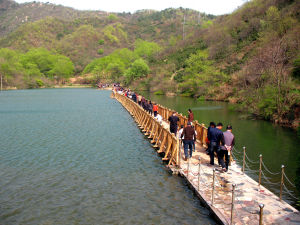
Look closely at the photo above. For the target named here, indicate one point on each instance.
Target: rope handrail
(266, 168)
(236, 150)
(251, 161)
(234, 157)
(267, 179)
(287, 191)
(251, 170)
(289, 180)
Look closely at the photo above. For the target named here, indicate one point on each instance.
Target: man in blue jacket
(215, 137)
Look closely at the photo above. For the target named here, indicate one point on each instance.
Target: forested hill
(76, 34)
(250, 57)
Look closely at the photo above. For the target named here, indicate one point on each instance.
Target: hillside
(76, 34)
(14, 15)
(250, 57)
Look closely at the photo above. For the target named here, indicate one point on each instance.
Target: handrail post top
(260, 155)
(261, 206)
(282, 166)
(233, 185)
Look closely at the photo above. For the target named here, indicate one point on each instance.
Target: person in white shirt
(159, 118)
(179, 134)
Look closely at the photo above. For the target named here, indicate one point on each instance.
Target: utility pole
(183, 34)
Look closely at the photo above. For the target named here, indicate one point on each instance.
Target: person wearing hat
(227, 147)
(189, 137)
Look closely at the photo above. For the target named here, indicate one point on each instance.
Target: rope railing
(262, 169)
(266, 168)
(251, 161)
(267, 179)
(287, 191)
(251, 170)
(286, 178)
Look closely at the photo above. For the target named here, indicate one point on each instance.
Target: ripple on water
(77, 157)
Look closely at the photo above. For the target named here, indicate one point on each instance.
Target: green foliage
(296, 68)
(101, 42)
(274, 22)
(267, 105)
(39, 83)
(108, 32)
(112, 17)
(62, 68)
(297, 181)
(146, 49)
(100, 51)
(138, 69)
(206, 24)
(33, 67)
(10, 66)
(180, 56)
(172, 41)
(159, 92)
(112, 66)
(38, 60)
(200, 74)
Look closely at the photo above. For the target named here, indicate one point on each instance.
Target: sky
(216, 7)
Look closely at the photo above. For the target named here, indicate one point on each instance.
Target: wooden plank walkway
(247, 195)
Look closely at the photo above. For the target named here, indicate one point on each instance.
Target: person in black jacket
(133, 97)
(215, 137)
(173, 123)
(189, 137)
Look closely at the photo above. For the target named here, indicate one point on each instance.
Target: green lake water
(75, 156)
(278, 145)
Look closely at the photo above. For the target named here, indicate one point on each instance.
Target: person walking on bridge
(133, 97)
(155, 109)
(139, 99)
(215, 137)
(143, 101)
(159, 118)
(190, 116)
(150, 107)
(173, 123)
(227, 147)
(189, 137)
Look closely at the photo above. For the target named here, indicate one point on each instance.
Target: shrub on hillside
(100, 51)
(101, 42)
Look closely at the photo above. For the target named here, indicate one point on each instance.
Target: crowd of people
(218, 142)
(102, 85)
(147, 105)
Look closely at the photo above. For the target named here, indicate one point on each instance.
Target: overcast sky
(216, 7)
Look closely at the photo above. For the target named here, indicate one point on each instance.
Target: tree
(62, 69)
(39, 58)
(116, 69)
(138, 69)
(10, 66)
(146, 49)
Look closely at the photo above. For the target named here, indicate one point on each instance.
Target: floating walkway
(232, 197)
